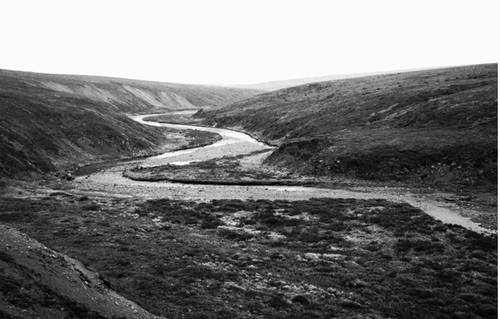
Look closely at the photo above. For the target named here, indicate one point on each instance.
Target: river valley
(111, 181)
(193, 249)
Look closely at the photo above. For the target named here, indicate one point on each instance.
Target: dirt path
(234, 143)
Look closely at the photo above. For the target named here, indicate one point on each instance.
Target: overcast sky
(239, 42)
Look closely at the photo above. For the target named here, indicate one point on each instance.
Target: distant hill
(129, 95)
(282, 84)
(432, 126)
(51, 121)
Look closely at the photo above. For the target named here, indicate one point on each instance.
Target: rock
(334, 291)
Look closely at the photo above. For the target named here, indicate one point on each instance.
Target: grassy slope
(48, 121)
(38, 282)
(435, 126)
(282, 84)
(133, 95)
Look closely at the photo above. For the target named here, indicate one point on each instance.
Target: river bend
(111, 181)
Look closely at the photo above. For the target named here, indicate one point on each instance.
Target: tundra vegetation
(435, 128)
(335, 258)
(430, 131)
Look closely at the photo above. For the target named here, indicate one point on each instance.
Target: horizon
(244, 43)
(236, 85)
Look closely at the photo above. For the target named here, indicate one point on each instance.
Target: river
(110, 181)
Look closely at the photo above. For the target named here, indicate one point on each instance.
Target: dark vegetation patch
(435, 128)
(220, 171)
(335, 258)
(196, 138)
(459, 164)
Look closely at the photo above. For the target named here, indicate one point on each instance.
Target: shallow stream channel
(111, 181)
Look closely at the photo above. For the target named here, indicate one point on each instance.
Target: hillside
(128, 95)
(282, 84)
(437, 127)
(51, 121)
(38, 282)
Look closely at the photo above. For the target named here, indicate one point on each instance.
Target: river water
(233, 143)
(111, 181)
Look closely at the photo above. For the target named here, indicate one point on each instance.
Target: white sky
(238, 42)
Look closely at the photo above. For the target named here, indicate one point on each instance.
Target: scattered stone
(310, 287)
(334, 291)
(301, 259)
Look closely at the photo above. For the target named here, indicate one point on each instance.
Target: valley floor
(264, 258)
(342, 249)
